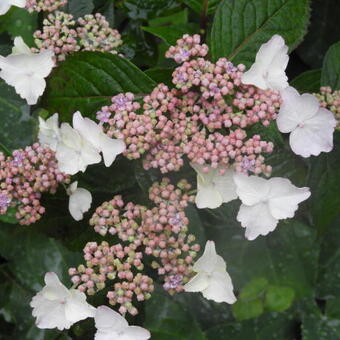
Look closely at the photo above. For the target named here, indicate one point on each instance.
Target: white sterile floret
(311, 127)
(213, 189)
(212, 279)
(55, 306)
(5, 5)
(112, 326)
(265, 202)
(93, 132)
(49, 133)
(80, 201)
(26, 71)
(74, 152)
(268, 71)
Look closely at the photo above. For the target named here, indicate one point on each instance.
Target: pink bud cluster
(160, 232)
(187, 47)
(330, 100)
(119, 262)
(44, 5)
(24, 176)
(204, 118)
(64, 36)
(58, 35)
(95, 34)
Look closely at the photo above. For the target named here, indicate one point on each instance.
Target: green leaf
(195, 224)
(267, 326)
(19, 22)
(330, 75)
(323, 31)
(31, 255)
(170, 34)
(167, 319)
(161, 75)
(17, 128)
(333, 308)
(244, 310)
(316, 326)
(79, 8)
(308, 81)
(279, 298)
(328, 283)
(86, 81)
(255, 288)
(147, 9)
(178, 18)
(324, 181)
(241, 26)
(9, 217)
(196, 5)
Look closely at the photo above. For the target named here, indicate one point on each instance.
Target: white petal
(208, 260)
(87, 128)
(257, 220)
(94, 134)
(54, 289)
(268, 71)
(74, 153)
(20, 47)
(198, 283)
(251, 189)
(225, 185)
(111, 148)
(135, 333)
(295, 109)
(51, 315)
(68, 159)
(254, 77)
(315, 136)
(49, 134)
(79, 203)
(106, 320)
(18, 3)
(285, 197)
(4, 6)
(220, 288)
(207, 196)
(76, 307)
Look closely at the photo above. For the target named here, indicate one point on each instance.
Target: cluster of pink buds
(24, 176)
(331, 101)
(44, 5)
(187, 47)
(57, 35)
(95, 34)
(106, 263)
(160, 232)
(64, 36)
(204, 117)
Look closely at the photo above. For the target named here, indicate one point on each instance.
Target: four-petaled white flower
(55, 306)
(49, 133)
(213, 189)
(265, 202)
(26, 71)
(80, 201)
(93, 132)
(5, 5)
(112, 326)
(268, 71)
(74, 152)
(311, 127)
(212, 279)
